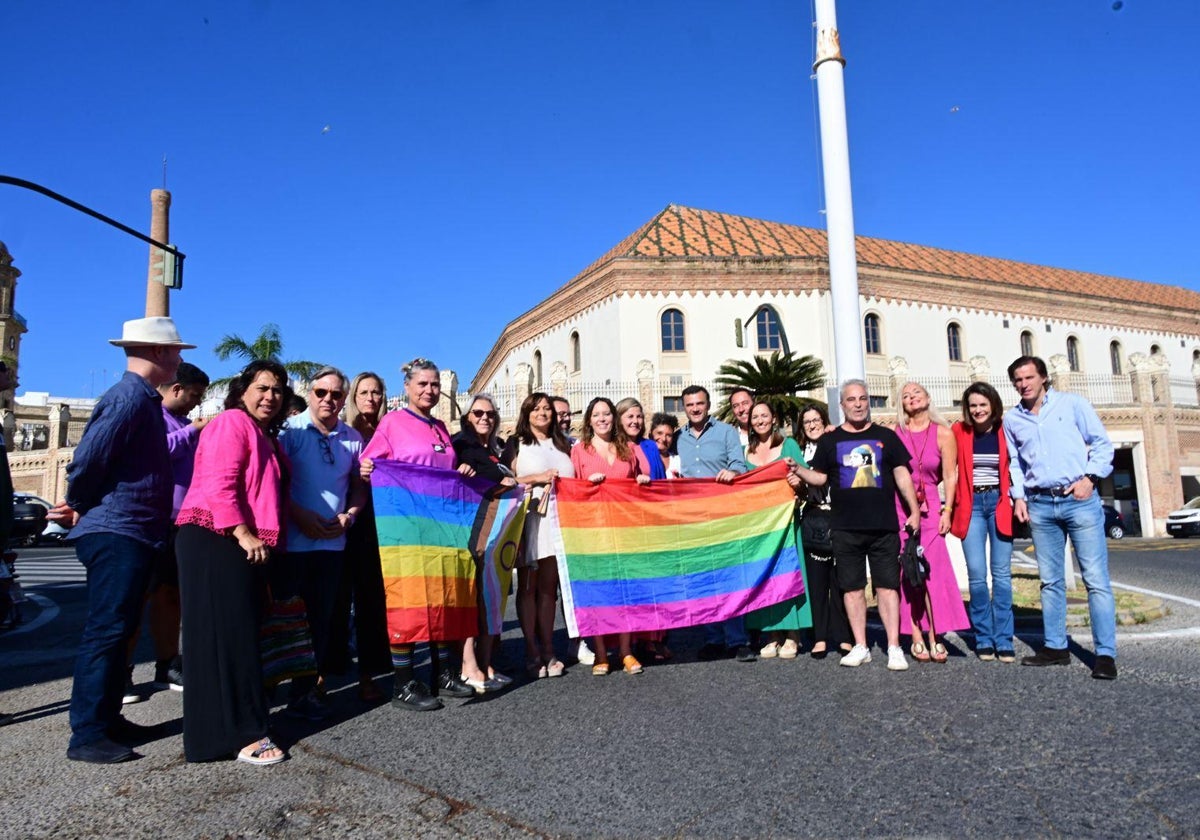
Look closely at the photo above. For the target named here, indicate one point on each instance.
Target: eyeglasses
(815, 421)
(322, 393)
(326, 449)
(479, 415)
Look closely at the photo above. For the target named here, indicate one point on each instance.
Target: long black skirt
(223, 597)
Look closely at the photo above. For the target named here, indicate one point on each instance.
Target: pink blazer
(238, 479)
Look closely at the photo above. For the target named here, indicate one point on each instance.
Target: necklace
(920, 480)
(440, 443)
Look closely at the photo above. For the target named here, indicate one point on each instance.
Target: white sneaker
(585, 655)
(896, 660)
(857, 656)
(789, 649)
(770, 651)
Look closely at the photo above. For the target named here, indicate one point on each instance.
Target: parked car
(1114, 523)
(1185, 521)
(50, 532)
(29, 519)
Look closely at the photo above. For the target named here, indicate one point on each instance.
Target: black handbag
(913, 565)
(815, 530)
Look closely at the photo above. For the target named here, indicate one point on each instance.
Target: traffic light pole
(173, 257)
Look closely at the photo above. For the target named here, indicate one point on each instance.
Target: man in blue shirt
(1059, 451)
(325, 496)
(709, 448)
(119, 488)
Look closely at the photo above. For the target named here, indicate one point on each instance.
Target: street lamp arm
(49, 193)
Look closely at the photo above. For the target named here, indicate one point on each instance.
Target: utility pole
(158, 302)
(839, 209)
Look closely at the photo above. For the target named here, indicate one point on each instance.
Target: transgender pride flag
(674, 553)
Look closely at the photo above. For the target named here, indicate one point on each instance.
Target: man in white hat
(119, 495)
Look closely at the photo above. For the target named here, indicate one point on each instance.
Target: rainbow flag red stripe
(674, 553)
(443, 539)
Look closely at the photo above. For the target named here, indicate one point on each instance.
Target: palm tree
(775, 379)
(268, 345)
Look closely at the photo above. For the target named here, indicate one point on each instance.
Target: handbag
(816, 525)
(913, 565)
(285, 642)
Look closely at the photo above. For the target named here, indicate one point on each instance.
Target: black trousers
(361, 584)
(223, 597)
(828, 606)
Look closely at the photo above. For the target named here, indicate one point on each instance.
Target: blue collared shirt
(1059, 445)
(717, 448)
(322, 466)
(119, 479)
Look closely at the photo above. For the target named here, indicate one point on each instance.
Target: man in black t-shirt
(865, 465)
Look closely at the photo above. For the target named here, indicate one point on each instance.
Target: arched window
(954, 342)
(1195, 356)
(1073, 353)
(1114, 357)
(871, 334)
(671, 330)
(1155, 350)
(537, 369)
(1026, 343)
(766, 325)
(576, 358)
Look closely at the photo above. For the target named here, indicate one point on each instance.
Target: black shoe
(1105, 668)
(1048, 656)
(451, 686)
(415, 697)
(745, 653)
(131, 695)
(819, 654)
(309, 706)
(169, 674)
(986, 654)
(102, 751)
(711, 653)
(127, 732)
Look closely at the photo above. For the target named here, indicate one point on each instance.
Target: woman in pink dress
(938, 607)
(605, 451)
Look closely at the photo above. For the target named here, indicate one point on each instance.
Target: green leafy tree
(267, 345)
(776, 379)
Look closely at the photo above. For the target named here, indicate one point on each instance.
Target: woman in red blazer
(982, 517)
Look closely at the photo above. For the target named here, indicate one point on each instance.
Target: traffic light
(170, 269)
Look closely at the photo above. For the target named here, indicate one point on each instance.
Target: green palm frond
(266, 346)
(776, 379)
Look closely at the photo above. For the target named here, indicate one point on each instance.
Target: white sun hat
(150, 332)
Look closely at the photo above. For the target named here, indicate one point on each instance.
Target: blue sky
(480, 154)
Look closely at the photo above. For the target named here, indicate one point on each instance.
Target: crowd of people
(212, 520)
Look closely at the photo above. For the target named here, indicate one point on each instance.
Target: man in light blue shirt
(1059, 452)
(709, 448)
(325, 496)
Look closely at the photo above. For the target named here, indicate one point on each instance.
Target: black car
(1114, 524)
(29, 519)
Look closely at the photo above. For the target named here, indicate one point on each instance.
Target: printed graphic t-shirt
(861, 486)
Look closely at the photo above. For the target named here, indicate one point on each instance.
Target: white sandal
(255, 756)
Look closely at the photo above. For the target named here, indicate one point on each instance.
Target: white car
(1185, 521)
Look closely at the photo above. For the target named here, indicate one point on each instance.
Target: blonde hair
(355, 418)
(935, 416)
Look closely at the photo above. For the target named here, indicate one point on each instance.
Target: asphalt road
(773, 748)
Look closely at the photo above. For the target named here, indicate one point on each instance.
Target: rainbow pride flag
(674, 553)
(443, 540)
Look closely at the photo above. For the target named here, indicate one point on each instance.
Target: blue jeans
(730, 633)
(991, 612)
(1052, 520)
(118, 572)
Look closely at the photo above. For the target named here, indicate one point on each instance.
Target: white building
(692, 289)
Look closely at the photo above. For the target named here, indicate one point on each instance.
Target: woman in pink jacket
(230, 521)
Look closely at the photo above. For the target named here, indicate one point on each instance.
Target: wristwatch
(1095, 479)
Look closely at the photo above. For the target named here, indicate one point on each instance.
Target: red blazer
(960, 520)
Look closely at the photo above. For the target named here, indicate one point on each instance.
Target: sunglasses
(322, 393)
(326, 449)
(479, 415)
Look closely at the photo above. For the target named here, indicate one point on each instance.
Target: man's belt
(1058, 491)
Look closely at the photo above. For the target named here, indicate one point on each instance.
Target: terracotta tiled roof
(687, 232)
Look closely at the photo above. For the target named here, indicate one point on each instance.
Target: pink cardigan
(237, 479)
